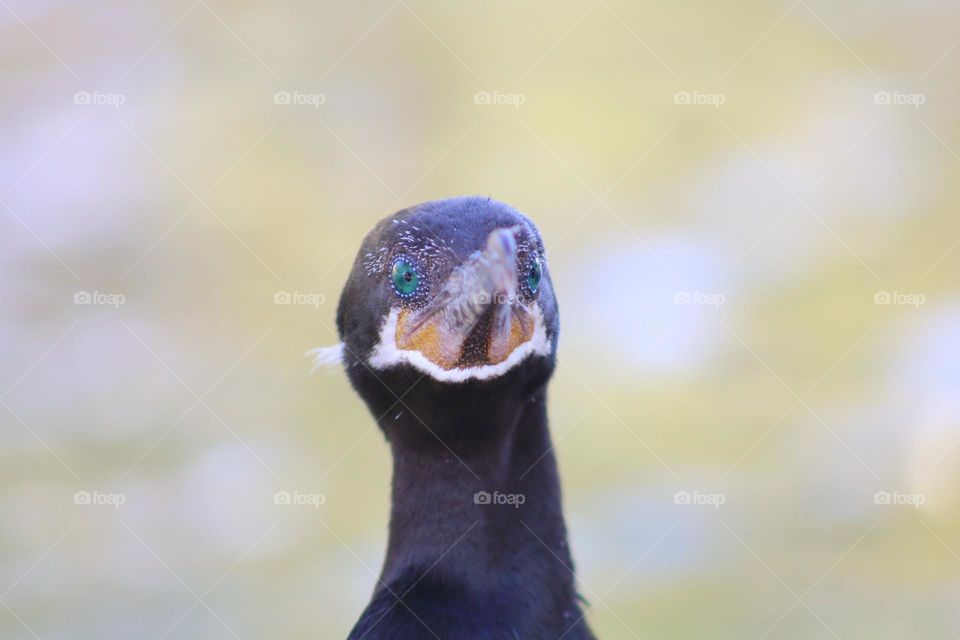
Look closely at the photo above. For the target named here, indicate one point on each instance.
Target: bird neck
(478, 499)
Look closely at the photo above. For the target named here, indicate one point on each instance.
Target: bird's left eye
(534, 275)
(404, 277)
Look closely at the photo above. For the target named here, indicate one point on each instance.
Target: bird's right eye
(404, 277)
(534, 275)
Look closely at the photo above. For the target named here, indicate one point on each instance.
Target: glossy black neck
(476, 499)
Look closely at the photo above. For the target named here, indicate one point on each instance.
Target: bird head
(454, 291)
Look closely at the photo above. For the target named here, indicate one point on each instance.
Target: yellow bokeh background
(750, 213)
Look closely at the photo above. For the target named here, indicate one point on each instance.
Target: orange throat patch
(429, 341)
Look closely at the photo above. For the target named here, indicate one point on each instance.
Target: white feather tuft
(326, 356)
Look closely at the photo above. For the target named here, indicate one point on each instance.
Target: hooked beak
(476, 318)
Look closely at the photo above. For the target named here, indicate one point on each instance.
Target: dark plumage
(459, 389)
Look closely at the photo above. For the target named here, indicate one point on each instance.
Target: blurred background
(750, 212)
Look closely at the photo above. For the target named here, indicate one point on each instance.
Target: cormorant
(448, 323)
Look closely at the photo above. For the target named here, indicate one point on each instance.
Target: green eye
(534, 275)
(404, 277)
